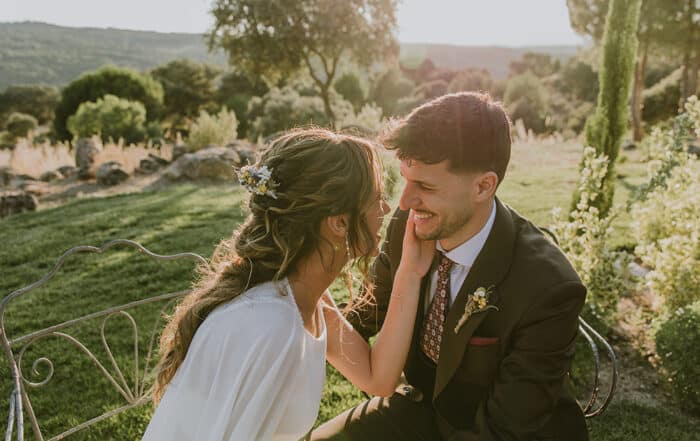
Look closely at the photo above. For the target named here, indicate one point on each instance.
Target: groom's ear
(486, 185)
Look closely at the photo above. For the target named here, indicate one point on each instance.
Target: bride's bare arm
(376, 369)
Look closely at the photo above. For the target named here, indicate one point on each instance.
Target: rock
(179, 150)
(628, 144)
(212, 163)
(68, 171)
(50, 176)
(246, 150)
(158, 159)
(694, 149)
(111, 173)
(16, 202)
(85, 151)
(7, 175)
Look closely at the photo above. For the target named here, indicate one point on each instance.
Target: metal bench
(132, 394)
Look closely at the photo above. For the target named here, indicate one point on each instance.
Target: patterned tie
(431, 334)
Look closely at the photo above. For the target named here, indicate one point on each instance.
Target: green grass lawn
(190, 218)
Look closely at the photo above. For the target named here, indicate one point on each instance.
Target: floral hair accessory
(257, 180)
(477, 302)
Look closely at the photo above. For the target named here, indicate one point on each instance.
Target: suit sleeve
(531, 375)
(368, 319)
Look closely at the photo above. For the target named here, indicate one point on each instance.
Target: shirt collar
(465, 254)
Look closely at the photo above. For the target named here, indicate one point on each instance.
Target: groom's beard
(447, 225)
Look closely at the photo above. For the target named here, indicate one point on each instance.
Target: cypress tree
(608, 124)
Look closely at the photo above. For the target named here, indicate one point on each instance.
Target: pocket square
(483, 341)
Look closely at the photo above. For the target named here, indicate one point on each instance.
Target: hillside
(32, 53)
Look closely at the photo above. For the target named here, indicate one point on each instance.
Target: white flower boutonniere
(477, 302)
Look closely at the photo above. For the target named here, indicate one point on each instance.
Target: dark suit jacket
(504, 375)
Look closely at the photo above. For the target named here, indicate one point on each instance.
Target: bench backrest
(134, 388)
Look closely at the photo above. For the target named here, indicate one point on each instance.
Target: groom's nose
(408, 198)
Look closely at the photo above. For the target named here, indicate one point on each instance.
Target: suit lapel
(489, 269)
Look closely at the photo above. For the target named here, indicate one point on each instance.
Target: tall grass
(35, 159)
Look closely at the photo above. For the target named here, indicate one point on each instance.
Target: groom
(494, 335)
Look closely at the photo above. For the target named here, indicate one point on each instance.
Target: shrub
(209, 129)
(388, 88)
(109, 80)
(584, 237)
(282, 109)
(349, 87)
(661, 100)
(37, 101)
(431, 89)
(368, 118)
(235, 92)
(110, 117)
(471, 80)
(677, 342)
(577, 78)
(525, 98)
(665, 213)
(19, 125)
(188, 86)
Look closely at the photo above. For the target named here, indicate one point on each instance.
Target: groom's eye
(425, 187)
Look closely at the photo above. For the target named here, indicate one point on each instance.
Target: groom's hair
(468, 129)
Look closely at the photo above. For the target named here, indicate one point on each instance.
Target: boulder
(50, 176)
(14, 202)
(68, 171)
(179, 150)
(151, 164)
(212, 163)
(628, 144)
(245, 149)
(7, 175)
(85, 151)
(111, 173)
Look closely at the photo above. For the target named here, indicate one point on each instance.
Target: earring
(347, 247)
(336, 247)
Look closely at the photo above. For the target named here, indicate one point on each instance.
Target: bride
(243, 357)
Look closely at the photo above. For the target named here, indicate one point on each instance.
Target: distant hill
(494, 59)
(33, 53)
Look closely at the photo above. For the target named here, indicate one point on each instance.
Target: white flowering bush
(219, 129)
(584, 238)
(666, 216)
(369, 117)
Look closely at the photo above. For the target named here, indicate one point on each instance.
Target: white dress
(252, 372)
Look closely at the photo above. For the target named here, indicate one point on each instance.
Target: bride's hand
(417, 254)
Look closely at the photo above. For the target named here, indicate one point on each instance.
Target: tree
(235, 92)
(471, 80)
(349, 86)
(109, 80)
(37, 101)
(526, 99)
(542, 65)
(388, 88)
(276, 39)
(188, 86)
(658, 29)
(606, 127)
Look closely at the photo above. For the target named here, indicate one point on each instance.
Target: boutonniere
(477, 302)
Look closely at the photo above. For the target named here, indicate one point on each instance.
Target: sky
(464, 22)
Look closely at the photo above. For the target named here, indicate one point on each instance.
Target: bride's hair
(319, 174)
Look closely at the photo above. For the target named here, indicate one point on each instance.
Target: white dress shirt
(463, 257)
